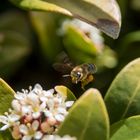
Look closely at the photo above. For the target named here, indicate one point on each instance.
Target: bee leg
(86, 81)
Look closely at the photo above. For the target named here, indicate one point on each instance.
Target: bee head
(76, 76)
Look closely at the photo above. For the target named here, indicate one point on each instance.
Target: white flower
(56, 137)
(9, 120)
(57, 108)
(30, 131)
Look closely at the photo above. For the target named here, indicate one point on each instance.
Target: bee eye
(78, 75)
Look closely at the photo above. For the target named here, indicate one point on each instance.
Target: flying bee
(81, 73)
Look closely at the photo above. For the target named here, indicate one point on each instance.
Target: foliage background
(34, 64)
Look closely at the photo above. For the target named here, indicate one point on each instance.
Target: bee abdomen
(92, 68)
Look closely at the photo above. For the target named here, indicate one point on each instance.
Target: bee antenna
(67, 75)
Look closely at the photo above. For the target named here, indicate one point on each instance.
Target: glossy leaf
(127, 129)
(123, 97)
(6, 96)
(104, 14)
(64, 91)
(87, 119)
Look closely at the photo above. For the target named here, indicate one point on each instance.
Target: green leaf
(14, 42)
(123, 97)
(127, 129)
(6, 96)
(104, 14)
(135, 4)
(87, 119)
(76, 41)
(65, 92)
(78, 37)
(129, 43)
(5, 135)
(13, 21)
(46, 31)
(40, 5)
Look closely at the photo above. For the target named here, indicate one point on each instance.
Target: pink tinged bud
(51, 121)
(16, 133)
(28, 118)
(56, 101)
(46, 128)
(35, 125)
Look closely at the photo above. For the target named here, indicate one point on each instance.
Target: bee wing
(95, 68)
(63, 68)
(63, 63)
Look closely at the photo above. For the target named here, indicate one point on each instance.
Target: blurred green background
(31, 41)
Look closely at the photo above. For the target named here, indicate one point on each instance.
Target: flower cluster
(35, 113)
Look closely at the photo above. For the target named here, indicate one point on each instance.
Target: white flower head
(35, 113)
(56, 137)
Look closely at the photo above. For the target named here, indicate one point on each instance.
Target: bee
(81, 73)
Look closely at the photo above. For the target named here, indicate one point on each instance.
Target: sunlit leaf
(6, 96)
(104, 14)
(87, 119)
(64, 91)
(127, 129)
(123, 97)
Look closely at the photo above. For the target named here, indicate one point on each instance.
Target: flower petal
(27, 137)
(59, 117)
(69, 103)
(16, 105)
(38, 135)
(5, 127)
(23, 129)
(36, 115)
(13, 117)
(48, 93)
(3, 119)
(62, 110)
